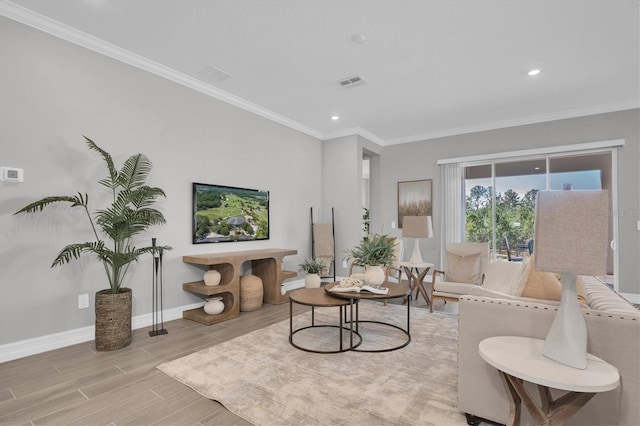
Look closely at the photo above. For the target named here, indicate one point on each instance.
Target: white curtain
(453, 223)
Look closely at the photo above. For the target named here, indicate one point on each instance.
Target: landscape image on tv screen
(227, 214)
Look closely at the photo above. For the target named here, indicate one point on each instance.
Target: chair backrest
(466, 249)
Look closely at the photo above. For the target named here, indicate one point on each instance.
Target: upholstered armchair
(465, 264)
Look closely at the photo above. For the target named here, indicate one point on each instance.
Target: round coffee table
(395, 291)
(317, 297)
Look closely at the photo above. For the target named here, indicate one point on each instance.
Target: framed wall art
(414, 199)
(227, 214)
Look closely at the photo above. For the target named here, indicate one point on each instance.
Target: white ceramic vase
(312, 281)
(212, 277)
(214, 305)
(374, 274)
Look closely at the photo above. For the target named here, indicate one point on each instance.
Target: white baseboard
(23, 348)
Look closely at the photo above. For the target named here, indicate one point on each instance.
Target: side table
(317, 297)
(416, 278)
(520, 359)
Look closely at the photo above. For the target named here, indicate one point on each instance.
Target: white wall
(53, 92)
(418, 160)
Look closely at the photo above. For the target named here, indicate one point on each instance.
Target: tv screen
(226, 214)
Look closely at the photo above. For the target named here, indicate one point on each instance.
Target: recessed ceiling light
(536, 168)
(533, 72)
(335, 117)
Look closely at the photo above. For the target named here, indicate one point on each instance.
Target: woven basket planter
(251, 293)
(113, 319)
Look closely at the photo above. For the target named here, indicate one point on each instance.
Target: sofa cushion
(519, 286)
(543, 285)
(463, 269)
(546, 285)
(486, 292)
(503, 276)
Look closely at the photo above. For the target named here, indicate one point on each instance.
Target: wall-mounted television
(227, 214)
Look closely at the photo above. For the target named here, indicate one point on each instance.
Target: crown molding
(520, 121)
(352, 131)
(75, 36)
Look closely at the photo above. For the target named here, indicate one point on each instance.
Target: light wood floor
(77, 385)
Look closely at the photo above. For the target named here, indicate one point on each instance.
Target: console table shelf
(265, 263)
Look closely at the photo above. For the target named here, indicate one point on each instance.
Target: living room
(55, 91)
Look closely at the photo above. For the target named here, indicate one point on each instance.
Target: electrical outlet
(83, 301)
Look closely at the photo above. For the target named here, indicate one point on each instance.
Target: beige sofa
(613, 327)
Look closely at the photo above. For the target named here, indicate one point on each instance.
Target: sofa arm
(614, 338)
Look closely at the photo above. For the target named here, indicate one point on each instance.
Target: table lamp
(417, 227)
(571, 238)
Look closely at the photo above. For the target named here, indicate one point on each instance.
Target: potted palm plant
(130, 213)
(312, 267)
(373, 253)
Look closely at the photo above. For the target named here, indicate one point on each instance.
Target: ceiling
(433, 68)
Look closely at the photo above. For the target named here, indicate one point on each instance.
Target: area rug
(263, 379)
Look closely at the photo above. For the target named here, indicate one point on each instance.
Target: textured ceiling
(433, 68)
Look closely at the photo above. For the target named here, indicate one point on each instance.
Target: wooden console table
(265, 263)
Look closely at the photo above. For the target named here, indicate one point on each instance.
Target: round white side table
(520, 359)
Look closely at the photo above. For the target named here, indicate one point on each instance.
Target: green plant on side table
(312, 267)
(373, 253)
(130, 213)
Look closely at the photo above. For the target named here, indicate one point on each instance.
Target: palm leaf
(134, 172)
(75, 201)
(111, 181)
(73, 251)
(130, 213)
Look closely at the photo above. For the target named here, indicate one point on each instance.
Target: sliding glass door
(500, 195)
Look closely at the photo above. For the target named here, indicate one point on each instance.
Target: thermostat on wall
(11, 174)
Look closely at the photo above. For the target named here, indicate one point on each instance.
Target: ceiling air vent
(356, 80)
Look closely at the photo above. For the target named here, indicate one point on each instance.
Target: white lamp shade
(417, 227)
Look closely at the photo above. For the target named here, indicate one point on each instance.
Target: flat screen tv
(227, 214)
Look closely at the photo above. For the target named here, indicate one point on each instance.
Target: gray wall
(341, 190)
(53, 92)
(418, 160)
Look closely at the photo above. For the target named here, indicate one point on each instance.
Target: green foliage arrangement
(510, 209)
(312, 266)
(375, 250)
(131, 213)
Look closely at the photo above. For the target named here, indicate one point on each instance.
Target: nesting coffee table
(317, 297)
(395, 291)
(325, 297)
